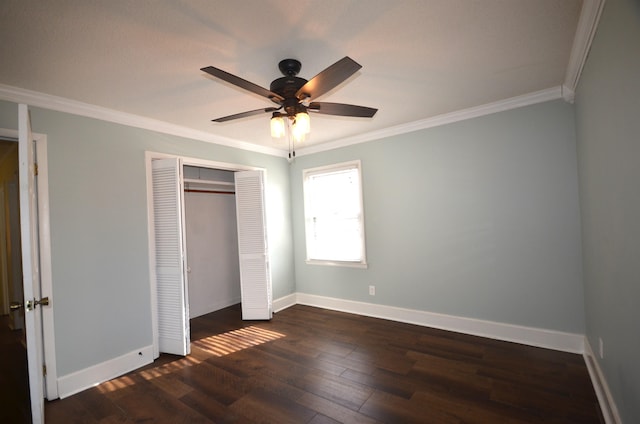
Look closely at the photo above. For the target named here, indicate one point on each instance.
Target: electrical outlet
(601, 347)
(372, 290)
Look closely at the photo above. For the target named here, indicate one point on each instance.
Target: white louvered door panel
(255, 276)
(173, 324)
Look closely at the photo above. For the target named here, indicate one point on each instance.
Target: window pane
(333, 214)
(336, 239)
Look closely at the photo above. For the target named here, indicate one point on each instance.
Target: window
(334, 221)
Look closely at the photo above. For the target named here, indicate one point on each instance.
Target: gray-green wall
(476, 219)
(99, 239)
(608, 134)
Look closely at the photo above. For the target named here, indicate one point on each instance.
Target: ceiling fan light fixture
(294, 95)
(298, 131)
(302, 122)
(277, 125)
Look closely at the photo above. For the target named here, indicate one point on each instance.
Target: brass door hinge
(44, 370)
(35, 169)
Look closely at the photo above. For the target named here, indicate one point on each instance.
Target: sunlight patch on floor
(213, 346)
(236, 340)
(116, 384)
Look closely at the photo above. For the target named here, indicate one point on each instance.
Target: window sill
(337, 263)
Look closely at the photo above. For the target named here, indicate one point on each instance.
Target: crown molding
(549, 94)
(586, 30)
(568, 94)
(60, 104)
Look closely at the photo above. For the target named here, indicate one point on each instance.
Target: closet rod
(212, 182)
(190, 190)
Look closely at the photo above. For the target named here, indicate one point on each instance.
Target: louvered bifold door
(173, 324)
(255, 277)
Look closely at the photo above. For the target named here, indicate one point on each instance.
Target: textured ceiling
(420, 58)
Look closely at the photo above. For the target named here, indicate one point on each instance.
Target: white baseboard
(212, 307)
(78, 381)
(550, 339)
(284, 302)
(607, 404)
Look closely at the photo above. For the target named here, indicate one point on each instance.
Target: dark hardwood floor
(311, 365)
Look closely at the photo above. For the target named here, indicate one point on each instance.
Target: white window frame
(308, 173)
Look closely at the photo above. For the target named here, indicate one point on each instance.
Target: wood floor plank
(263, 406)
(473, 411)
(334, 411)
(383, 381)
(388, 408)
(310, 365)
(212, 409)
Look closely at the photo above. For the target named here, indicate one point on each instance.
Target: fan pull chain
(292, 151)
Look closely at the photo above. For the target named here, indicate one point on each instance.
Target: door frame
(46, 280)
(188, 161)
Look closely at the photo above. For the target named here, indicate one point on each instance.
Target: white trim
(599, 382)
(587, 25)
(542, 96)
(568, 94)
(151, 248)
(344, 264)
(307, 175)
(61, 104)
(212, 307)
(284, 302)
(83, 109)
(78, 381)
(539, 337)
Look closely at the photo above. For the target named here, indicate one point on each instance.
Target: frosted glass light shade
(303, 122)
(298, 132)
(277, 127)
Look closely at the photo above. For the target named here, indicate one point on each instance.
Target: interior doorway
(14, 386)
(30, 262)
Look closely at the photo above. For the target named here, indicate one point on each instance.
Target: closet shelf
(208, 182)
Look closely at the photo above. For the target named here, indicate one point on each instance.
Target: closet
(213, 272)
(207, 244)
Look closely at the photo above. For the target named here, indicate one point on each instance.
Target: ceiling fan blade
(242, 83)
(246, 114)
(341, 109)
(328, 79)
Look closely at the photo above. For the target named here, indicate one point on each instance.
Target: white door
(30, 264)
(255, 275)
(171, 286)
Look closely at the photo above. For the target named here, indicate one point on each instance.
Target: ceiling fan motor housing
(287, 87)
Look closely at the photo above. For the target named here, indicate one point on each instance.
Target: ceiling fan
(294, 96)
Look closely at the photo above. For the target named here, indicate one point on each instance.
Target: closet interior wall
(213, 273)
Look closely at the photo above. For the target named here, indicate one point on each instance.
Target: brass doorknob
(14, 306)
